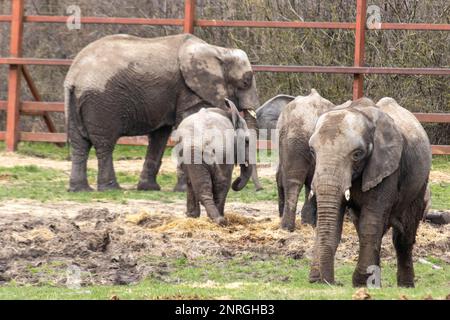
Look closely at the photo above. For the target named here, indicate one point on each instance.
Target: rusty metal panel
(107, 20)
(360, 36)
(274, 24)
(189, 16)
(15, 50)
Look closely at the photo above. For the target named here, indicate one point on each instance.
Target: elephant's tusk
(311, 194)
(347, 194)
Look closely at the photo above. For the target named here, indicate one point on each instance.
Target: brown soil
(120, 244)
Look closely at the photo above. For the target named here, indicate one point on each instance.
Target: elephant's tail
(68, 103)
(72, 114)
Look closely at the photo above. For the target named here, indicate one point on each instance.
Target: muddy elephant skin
(123, 85)
(212, 142)
(296, 168)
(374, 160)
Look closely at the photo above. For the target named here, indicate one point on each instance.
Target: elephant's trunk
(241, 181)
(329, 198)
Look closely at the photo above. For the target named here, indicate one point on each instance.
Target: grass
(243, 277)
(44, 184)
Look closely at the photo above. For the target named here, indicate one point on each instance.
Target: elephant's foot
(405, 283)
(180, 187)
(359, 279)
(193, 214)
(80, 187)
(308, 215)
(221, 221)
(287, 223)
(258, 187)
(112, 185)
(405, 280)
(314, 275)
(145, 185)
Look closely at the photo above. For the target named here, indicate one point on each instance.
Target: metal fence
(17, 64)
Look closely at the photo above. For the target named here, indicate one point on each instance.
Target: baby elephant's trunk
(241, 181)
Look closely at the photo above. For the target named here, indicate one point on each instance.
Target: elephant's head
(267, 115)
(215, 73)
(241, 147)
(357, 142)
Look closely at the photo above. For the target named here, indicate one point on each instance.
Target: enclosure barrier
(17, 65)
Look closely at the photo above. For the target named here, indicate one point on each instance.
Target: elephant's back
(302, 113)
(101, 60)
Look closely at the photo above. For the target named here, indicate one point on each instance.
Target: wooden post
(360, 35)
(189, 16)
(15, 50)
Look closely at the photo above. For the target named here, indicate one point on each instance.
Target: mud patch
(107, 243)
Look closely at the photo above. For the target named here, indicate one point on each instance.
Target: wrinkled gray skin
(123, 85)
(208, 183)
(374, 160)
(267, 118)
(296, 168)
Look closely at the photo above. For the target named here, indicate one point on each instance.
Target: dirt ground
(118, 244)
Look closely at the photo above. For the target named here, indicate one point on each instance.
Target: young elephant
(375, 160)
(296, 168)
(213, 141)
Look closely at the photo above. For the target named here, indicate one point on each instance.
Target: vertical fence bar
(360, 35)
(189, 16)
(15, 50)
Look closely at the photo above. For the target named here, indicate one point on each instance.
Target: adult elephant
(375, 160)
(296, 168)
(123, 85)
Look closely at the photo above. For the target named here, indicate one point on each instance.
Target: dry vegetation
(265, 46)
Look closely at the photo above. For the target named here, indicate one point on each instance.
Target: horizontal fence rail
(17, 64)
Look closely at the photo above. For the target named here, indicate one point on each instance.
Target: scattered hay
(361, 294)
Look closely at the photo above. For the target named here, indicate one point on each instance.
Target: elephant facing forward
(123, 85)
(210, 143)
(374, 160)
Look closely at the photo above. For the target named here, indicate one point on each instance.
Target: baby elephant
(210, 143)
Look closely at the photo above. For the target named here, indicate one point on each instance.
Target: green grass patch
(44, 184)
(243, 277)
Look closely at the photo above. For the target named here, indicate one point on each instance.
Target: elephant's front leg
(292, 185)
(155, 150)
(106, 179)
(370, 231)
(222, 183)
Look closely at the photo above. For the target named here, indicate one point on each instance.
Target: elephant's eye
(357, 155)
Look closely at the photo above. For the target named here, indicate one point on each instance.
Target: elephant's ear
(202, 71)
(386, 152)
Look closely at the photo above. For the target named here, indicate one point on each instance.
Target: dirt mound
(108, 244)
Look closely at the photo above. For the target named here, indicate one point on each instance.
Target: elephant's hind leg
(404, 241)
(106, 179)
(80, 153)
(202, 186)
(280, 189)
(193, 207)
(155, 150)
(255, 179)
(181, 185)
(221, 185)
